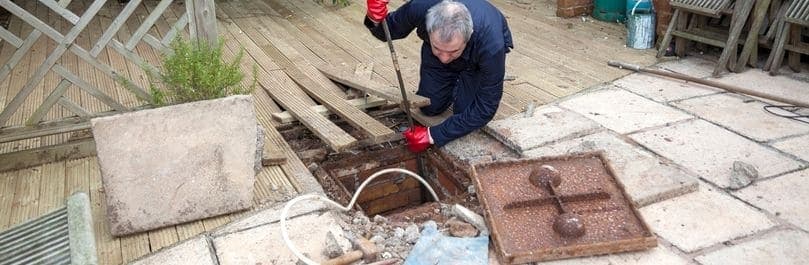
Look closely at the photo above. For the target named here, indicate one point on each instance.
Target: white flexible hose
(289, 204)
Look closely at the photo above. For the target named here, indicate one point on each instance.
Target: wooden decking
(288, 40)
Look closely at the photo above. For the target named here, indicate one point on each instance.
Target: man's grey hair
(448, 18)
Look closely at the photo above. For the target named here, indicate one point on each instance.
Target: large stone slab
(795, 146)
(548, 124)
(477, 147)
(622, 111)
(703, 218)
(660, 255)
(195, 251)
(785, 247)
(176, 164)
(710, 150)
(785, 196)
(263, 244)
(743, 116)
(757, 80)
(646, 178)
(663, 89)
(691, 65)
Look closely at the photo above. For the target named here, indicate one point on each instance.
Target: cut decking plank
(7, 183)
(52, 188)
(133, 247)
(77, 176)
(270, 154)
(278, 85)
(189, 230)
(311, 80)
(26, 195)
(109, 247)
(162, 237)
(346, 77)
(360, 103)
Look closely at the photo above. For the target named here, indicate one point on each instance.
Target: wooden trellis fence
(199, 18)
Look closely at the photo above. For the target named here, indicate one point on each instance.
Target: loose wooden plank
(390, 93)
(312, 81)
(360, 103)
(109, 247)
(277, 84)
(47, 154)
(202, 20)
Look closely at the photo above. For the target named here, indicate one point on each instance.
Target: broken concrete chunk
(175, 164)
(332, 249)
(459, 228)
(471, 217)
(741, 175)
(380, 219)
(412, 233)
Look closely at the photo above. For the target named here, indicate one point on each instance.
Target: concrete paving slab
(760, 81)
(784, 196)
(785, 247)
(691, 65)
(710, 151)
(270, 215)
(795, 146)
(549, 123)
(660, 256)
(743, 115)
(195, 251)
(477, 147)
(622, 111)
(263, 244)
(703, 218)
(662, 89)
(645, 177)
(176, 164)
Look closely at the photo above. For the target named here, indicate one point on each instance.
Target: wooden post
(202, 18)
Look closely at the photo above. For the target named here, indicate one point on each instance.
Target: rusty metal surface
(521, 215)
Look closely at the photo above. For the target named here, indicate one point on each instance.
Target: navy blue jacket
(473, 82)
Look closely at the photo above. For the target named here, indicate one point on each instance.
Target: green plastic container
(609, 10)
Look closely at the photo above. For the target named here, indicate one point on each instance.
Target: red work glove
(418, 138)
(377, 10)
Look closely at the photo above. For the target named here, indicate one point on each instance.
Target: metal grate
(40, 241)
(798, 12)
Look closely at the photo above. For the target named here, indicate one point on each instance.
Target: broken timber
(390, 93)
(361, 103)
(278, 85)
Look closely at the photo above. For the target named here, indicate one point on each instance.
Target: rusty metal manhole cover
(572, 206)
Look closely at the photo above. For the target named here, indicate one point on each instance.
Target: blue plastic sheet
(433, 248)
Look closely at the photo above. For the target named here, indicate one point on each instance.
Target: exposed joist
(360, 103)
(390, 93)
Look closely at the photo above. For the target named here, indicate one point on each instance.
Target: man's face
(447, 51)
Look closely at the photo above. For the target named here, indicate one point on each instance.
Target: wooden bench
(682, 30)
(789, 38)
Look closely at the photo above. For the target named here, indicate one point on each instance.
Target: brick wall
(572, 8)
(664, 12)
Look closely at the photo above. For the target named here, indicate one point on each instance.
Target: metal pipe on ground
(730, 88)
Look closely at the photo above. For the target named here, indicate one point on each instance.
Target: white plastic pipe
(285, 211)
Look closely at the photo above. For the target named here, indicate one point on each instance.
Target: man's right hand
(377, 10)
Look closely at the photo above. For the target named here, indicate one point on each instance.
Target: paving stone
(194, 251)
(796, 146)
(271, 214)
(710, 151)
(785, 196)
(658, 256)
(663, 89)
(176, 164)
(622, 111)
(691, 65)
(743, 116)
(264, 244)
(760, 81)
(548, 124)
(703, 218)
(645, 177)
(785, 247)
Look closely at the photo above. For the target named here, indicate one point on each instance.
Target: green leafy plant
(194, 71)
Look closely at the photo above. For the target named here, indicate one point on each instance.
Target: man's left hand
(418, 138)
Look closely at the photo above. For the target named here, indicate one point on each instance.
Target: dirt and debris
(741, 175)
